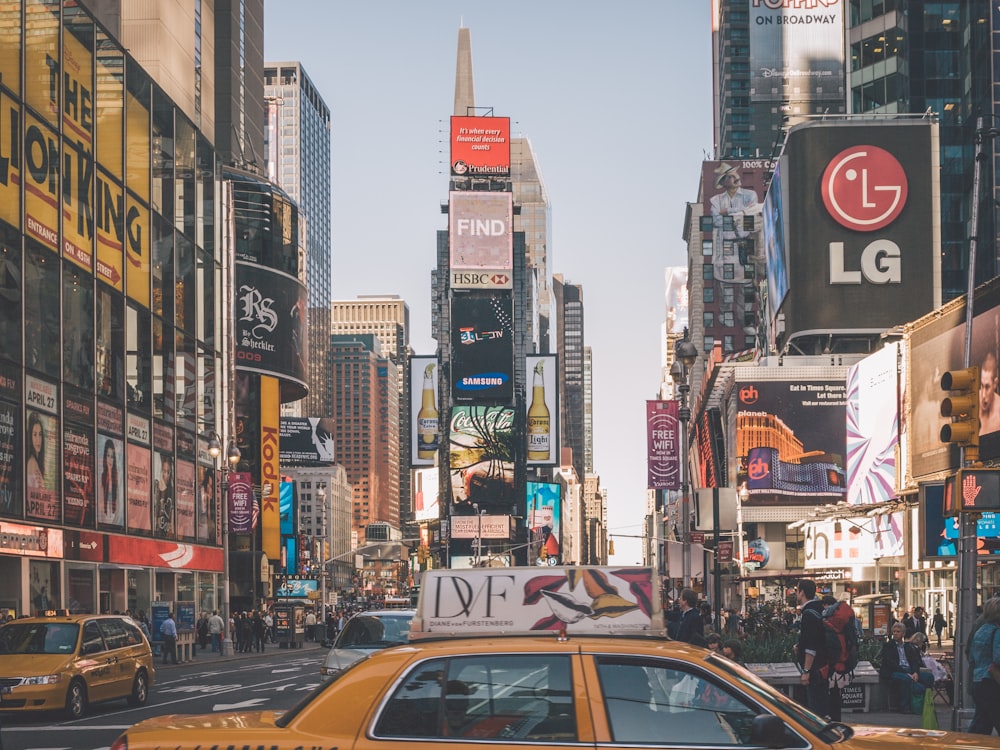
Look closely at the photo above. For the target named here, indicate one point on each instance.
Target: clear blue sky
(616, 100)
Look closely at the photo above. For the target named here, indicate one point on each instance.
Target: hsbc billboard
(863, 224)
(481, 240)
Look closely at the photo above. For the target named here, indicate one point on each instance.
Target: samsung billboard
(862, 223)
(482, 347)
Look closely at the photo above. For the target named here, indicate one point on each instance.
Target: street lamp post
(685, 354)
(479, 534)
(232, 459)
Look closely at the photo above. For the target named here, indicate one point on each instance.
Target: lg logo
(864, 189)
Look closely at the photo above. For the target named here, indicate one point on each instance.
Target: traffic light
(963, 409)
(422, 553)
(611, 546)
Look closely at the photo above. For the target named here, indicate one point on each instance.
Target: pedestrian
(257, 627)
(691, 628)
(311, 626)
(216, 630)
(168, 629)
(203, 631)
(919, 620)
(245, 629)
(269, 626)
(810, 649)
(984, 660)
(938, 624)
(901, 664)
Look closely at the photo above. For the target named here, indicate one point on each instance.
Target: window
(728, 344)
(650, 701)
(708, 318)
(708, 344)
(92, 642)
(708, 295)
(707, 272)
(728, 271)
(705, 223)
(484, 697)
(728, 293)
(707, 247)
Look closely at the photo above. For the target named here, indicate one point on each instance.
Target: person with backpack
(810, 650)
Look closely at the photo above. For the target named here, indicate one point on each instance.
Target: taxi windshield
(764, 693)
(367, 631)
(38, 638)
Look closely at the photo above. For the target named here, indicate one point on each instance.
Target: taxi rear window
(39, 638)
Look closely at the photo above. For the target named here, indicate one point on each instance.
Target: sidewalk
(207, 656)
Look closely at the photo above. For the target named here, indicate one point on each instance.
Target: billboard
(872, 428)
(937, 346)
(425, 494)
(239, 501)
(481, 455)
(542, 411)
(544, 506)
(797, 51)
(269, 468)
(480, 146)
(732, 192)
(663, 446)
(306, 440)
(775, 242)
(482, 347)
(425, 420)
(791, 437)
(480, 234)
(839, 543)
(270, 313)
(862, 220)
(480, 526)
(678, 301)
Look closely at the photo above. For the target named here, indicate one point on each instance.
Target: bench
(864, 692)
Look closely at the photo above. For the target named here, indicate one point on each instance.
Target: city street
(274, 680)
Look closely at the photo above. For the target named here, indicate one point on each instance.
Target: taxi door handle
(111, 660)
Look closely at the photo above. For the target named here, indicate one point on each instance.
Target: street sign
(697, 537)
(725, 551)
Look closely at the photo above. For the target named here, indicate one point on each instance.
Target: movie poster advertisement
(42, 466)
(544, 518)
(185, 494)
(138, 471)
(110, 481)
(164, 496)
(78, 477)
(208, 505)
(10, 452)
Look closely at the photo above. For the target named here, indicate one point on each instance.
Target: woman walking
(984, 657)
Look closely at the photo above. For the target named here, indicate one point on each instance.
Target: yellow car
(589, 666)
(66, 662)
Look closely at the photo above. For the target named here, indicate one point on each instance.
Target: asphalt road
(276, 680)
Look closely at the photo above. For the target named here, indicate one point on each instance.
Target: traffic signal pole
(967, 554)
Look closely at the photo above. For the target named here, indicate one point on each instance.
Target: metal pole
(717, 572)
(967, 554)
(684, 413)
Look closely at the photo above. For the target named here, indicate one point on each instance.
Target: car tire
(140, 689)
(76, 700)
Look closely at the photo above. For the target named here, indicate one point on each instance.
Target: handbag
(929, 717)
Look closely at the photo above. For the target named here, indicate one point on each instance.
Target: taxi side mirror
(767, 730)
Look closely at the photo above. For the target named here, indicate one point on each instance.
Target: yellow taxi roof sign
(595, 600)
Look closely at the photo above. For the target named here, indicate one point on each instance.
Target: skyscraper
(297, 143)
(915, 56)
(388, 318)
(771, 64)
(569, 346)
(366, 425)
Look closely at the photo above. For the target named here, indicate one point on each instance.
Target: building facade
(297, 148)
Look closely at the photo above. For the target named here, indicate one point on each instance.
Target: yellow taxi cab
(585, 664)
(65, 662)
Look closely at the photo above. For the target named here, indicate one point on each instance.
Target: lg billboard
(862, 220)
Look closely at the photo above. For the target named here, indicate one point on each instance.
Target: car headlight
(45, 679)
